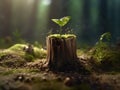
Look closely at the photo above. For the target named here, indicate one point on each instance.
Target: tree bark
(61, 53)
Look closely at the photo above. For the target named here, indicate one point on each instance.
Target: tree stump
(61, 53)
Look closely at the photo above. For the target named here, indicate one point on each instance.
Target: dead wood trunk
(61, 53)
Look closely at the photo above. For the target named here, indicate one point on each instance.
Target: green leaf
(62, 21)
(106, 36)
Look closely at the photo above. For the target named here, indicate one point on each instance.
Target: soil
(17, 74)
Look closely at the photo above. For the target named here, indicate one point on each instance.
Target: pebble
(68, 81)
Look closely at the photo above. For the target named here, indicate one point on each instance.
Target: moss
(62, 36)
(17, 47)
(106, 57)
(17, 50)
(29, 57)
(40, 53)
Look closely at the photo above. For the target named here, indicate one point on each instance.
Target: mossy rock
(38, 52)
(18, 50)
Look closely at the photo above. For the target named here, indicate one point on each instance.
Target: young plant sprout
(61, 22)
(106, 36)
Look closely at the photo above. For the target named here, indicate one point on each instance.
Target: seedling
(61, 22)
(106, 36)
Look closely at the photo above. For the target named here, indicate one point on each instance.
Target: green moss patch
(18, 48)
(62, 36)
(16, 56)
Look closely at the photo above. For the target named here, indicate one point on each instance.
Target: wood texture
(61, 53)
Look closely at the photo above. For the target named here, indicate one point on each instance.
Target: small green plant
(105, 55)
(61, 22)
(105, 36)
(102, 46)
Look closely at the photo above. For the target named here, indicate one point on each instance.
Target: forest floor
(17, 74)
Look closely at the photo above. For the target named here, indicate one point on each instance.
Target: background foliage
(31, 19)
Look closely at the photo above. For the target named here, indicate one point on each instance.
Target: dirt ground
(16, 73)
(30, 76)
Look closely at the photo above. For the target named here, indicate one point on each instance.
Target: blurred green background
(30, 20)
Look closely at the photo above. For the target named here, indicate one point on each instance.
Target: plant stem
(60, 30)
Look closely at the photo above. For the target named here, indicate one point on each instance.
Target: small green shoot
(61, 22)
(106, 36)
